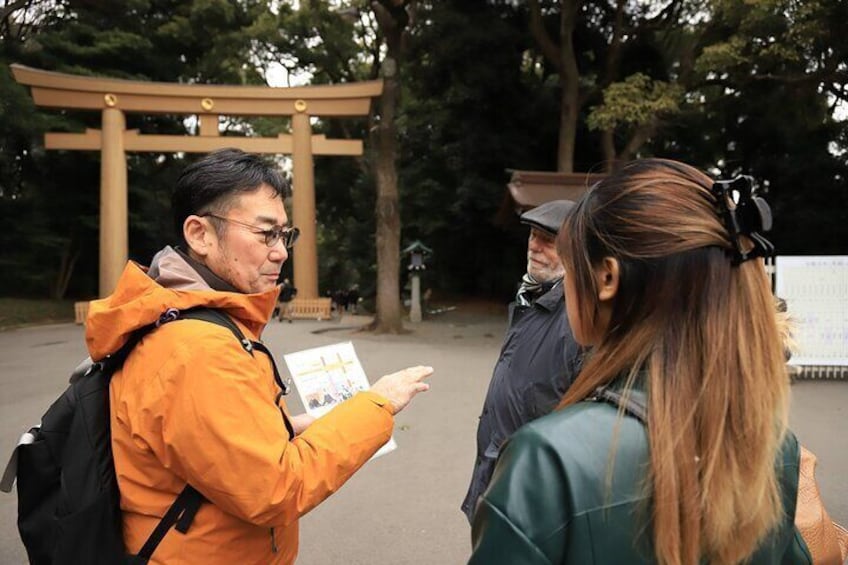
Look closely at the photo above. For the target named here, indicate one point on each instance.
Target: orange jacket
(191, 406)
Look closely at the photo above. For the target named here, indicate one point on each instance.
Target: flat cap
(549, 216)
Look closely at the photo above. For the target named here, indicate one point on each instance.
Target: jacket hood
(140, 300)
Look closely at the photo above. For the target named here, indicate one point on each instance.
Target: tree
(475, 103)
(393, 17)
(563, 57)
(622, 69)
(346, 42)
(768, 55)
(476, 93)
(167, 40)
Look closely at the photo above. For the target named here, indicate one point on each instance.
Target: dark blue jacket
(538, 362)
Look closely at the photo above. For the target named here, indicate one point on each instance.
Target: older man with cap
(539, 357)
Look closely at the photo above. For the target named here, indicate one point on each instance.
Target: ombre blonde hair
(706, 335)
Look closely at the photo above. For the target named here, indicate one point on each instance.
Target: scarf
(530, 289)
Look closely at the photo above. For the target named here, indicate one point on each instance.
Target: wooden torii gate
(115, 97)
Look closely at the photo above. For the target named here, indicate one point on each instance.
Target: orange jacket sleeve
(210, 417)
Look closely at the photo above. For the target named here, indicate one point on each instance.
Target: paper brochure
(326, 376)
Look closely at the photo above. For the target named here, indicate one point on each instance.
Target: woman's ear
(607, 275)
(198, 234)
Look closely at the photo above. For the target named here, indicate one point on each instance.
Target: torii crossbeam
(115, 97)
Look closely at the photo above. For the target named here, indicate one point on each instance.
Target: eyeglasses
(288, 234)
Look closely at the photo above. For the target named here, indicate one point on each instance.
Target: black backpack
(68, 499)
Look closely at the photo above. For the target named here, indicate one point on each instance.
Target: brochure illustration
(327, 376)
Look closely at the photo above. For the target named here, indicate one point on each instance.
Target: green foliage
(763, 107)
(733, 86)
(636, 101)
(475, 108)
(725, 56)
(318, 38)
(54, 195)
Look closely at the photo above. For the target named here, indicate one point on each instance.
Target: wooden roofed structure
(528, 189)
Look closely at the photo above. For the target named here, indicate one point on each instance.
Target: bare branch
(614, 54)
(7, 27)
(9, 9)
(638, 139)
(543, 39)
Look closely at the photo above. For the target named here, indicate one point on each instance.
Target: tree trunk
(610, 72)
(66, 269)
(567, 126)
(393, 19)
(388, 318)
(640, 136)
(608, 146)
(570, 84)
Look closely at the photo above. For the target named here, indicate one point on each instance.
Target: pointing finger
(419, 373)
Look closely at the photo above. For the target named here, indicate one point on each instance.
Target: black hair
(208, 185)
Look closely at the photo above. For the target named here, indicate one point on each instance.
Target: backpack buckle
(168, 315)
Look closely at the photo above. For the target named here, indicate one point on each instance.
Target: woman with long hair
(671, 446)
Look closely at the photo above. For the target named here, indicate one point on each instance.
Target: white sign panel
(326, 376)
(815, 288)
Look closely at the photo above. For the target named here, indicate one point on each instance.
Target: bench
(309, 308)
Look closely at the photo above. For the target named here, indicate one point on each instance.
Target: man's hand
(301, 422)
(399, 388)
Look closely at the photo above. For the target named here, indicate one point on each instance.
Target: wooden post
(209, 125)
(113, 201)
(303, 205)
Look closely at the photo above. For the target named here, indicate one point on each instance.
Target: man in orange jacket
(192, 406)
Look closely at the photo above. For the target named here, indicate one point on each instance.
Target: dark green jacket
(549, 501)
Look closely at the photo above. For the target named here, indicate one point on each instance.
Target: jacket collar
(140, 300)
(174, 268)
(214, 281)
(551, 299)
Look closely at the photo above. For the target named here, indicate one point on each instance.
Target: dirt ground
(402, 508)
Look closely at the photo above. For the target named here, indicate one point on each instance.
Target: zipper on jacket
(274, 547)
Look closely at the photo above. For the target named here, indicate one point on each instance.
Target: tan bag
(826, 540)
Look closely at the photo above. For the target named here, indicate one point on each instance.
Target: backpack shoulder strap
(634, 402)
(188, 502)
(181, 513)
(217, 317)
(113, 361)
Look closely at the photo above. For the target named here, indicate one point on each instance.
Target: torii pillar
(303, 205)
(114, 97)
(114, 227)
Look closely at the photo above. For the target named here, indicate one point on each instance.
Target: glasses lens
(272, 237)
(291, 235)
(288, 235)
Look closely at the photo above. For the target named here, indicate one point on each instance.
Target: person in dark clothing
(539, 357)
(287, 294)
(672, 445)
(352, 298)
